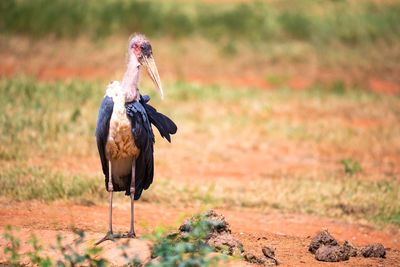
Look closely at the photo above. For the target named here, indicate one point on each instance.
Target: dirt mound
(324, 238)
(222, 240)
(219, 224)
(353, 250)
(326, 248)
(222, 226)
(332, 253)
(227, 243)
(221, 237)
(374, 250)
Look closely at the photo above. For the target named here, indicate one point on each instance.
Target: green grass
(319, 22)
(354, 198)
(48, 118)
(48, 122)
(58, 117)
(351, 198)
(27, 183)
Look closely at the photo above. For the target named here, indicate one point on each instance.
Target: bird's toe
(108, 236)
(129, 235)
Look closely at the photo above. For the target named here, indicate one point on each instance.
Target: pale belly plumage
(120, 141)
(121, 150)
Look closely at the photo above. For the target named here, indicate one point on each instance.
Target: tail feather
(165, 125)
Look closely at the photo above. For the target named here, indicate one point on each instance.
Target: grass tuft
(350, 166)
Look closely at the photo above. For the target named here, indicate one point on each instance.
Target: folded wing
(102, 128)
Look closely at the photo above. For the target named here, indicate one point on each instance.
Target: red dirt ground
(289, 233)
(89, 73)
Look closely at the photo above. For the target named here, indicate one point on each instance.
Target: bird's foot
(131, 234)
(108, 236)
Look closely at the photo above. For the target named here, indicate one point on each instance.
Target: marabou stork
(124, 135)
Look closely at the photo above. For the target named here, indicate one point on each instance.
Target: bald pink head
(140, 48)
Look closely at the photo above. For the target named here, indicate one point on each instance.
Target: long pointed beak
(153, 72)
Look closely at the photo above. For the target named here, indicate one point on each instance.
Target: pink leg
(131, 233)
(109, 235)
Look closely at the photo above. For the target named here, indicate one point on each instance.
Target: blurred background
(283, 107)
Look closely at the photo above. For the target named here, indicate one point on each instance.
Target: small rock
(322, 239)
(332, 254)
(374, 250)
(269, 252)
(260, 260)
(226, 243)
(250, 257)
(352, 250)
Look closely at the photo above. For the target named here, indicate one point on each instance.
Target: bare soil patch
(289, 234)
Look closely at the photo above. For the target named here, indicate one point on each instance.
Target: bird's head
(140, 48)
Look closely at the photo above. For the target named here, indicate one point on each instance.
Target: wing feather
(102, 128)
(141, 115)
(164, 125)
(144, 140)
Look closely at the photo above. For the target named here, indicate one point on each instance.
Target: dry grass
(270, 64)
(344, 197)
(235, 148)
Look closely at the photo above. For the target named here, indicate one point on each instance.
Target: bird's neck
(131, 80)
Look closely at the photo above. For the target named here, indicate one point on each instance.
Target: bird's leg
(110, 192)
(109, 235)
(131, 233)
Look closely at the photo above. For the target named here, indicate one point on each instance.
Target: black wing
(102, 128)
(144, 140)
(165, 125)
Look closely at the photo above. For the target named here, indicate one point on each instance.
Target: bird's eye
(142, 47)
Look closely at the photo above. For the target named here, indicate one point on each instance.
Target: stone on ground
(332, 253)
(323, 238)
(374, 250)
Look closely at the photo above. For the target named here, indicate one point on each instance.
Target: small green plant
(276, 80)
(338, 87)
(13, 247)
(350, 166)
(185, 249)
(72, 256)
(35, 256)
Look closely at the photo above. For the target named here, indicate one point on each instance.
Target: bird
(125, 139)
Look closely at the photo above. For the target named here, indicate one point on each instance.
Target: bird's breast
(120, 141)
